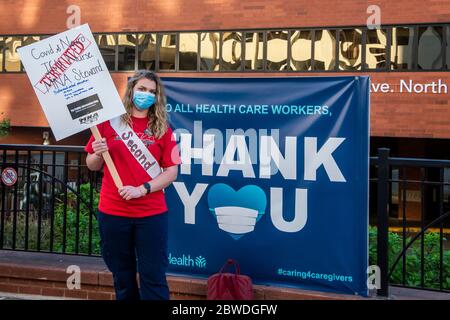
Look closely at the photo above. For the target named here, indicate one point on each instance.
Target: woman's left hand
(130, 192)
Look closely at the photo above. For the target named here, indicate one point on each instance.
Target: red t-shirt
(164, 150)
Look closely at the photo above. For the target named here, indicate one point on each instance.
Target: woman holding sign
(132, 219)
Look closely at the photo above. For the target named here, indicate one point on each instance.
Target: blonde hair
(157, 114)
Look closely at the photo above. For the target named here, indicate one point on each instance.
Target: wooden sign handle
(108, 160)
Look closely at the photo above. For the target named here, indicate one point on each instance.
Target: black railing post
(382, 220)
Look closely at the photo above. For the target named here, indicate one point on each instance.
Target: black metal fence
(425, 254)
(51, 208)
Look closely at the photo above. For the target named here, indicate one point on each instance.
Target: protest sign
(274, 174)
(73, 84)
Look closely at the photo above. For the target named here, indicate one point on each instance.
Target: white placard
(71, 81)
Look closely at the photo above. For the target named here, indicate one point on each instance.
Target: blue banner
(274, 175)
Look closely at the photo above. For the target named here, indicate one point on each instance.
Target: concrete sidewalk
(26, 275)
(18, 296)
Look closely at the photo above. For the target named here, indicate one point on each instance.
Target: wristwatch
(148, 187)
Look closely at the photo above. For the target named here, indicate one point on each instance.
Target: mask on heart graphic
(237, 211)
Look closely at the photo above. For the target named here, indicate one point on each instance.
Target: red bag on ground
(229, 286)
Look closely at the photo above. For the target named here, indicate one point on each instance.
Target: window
(397, 48)
(167, 45)
(376, 46)
(188, 51)
(2, 50)
(209, 51)
(107, 46)
(254, 51)
(325, 50)
(447, 50)
(12, 59)
(446, 199)
(402, 48)
(395, 197)
(277, 50)
(231, 51)
(301, 45)
(147, 51)
(350, 49)
(127, 51)
(430, 48)
(29, 40)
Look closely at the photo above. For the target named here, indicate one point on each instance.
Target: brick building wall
(393, 114)
(49, 16)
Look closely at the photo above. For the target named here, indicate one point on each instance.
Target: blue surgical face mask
(143, 100)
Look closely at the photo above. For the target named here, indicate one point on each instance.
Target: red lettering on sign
(69, 56)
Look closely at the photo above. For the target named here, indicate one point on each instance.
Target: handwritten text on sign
(71, 81)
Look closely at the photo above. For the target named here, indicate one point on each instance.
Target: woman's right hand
(99, 146)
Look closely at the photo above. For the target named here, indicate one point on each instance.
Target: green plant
(73, 219)
(5, 125)
(413, 259)
(21, 231)
(70, 212)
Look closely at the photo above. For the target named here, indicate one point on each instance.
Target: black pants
(136, 245)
